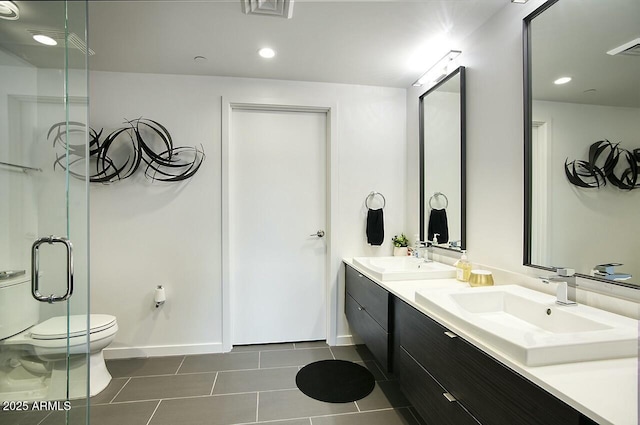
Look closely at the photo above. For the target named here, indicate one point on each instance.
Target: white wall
(495, 147)
(145, 234)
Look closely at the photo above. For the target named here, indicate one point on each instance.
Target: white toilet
(33, 363)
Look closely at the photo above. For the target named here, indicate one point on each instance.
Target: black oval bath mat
(335, 381)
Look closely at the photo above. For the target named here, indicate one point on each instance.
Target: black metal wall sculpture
(596, 171)
(164, 163)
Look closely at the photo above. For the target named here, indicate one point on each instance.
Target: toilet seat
(51, 335)
(56, 327)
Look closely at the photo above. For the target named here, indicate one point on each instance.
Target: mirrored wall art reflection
(607, 162)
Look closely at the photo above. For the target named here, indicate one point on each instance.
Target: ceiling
(572, 39)
(369, 42)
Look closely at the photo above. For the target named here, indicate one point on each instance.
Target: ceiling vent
(59, 36)
(282, 8)
(632, 48)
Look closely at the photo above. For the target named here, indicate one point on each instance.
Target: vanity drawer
(485, 380)
(426, 341)
(374, 336)
(373, 298)
(428, 397)
(490, 391)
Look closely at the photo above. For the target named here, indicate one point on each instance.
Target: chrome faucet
(424, 245)
(455, 244)
(607, 271)
(566, 292)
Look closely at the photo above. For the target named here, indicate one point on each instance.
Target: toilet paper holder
(160, 296)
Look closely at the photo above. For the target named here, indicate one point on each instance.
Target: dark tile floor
(250, 385)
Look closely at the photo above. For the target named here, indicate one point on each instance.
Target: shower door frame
(50, 84)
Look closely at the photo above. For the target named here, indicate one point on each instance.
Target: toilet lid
(56, 327)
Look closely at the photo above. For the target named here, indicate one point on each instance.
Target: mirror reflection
(583, 87)
(442, 131)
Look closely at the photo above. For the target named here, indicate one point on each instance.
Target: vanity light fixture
(519, 1)
(267, 52)
(562, 80)
(45, 39)
(439, 70)
(9, 10)
(630, 48)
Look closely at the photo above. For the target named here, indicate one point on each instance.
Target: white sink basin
(531, 328)
(404, 268)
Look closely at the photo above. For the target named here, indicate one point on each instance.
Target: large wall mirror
(582, 86)
(442, 162)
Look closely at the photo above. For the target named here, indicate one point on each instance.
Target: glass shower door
(44, 279)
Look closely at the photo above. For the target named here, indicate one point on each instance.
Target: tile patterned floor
(250, 385)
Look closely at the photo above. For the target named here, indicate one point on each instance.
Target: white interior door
(277, 203)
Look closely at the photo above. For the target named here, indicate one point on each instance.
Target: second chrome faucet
(566, 291)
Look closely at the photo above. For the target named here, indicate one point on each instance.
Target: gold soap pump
(463, 268)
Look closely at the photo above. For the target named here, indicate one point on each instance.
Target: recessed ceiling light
(267, 52)
(44, 39)
(562, 80)
(9, 10)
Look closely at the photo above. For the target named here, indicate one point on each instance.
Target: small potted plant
(400, 244)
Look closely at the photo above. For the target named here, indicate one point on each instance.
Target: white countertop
(606, 391)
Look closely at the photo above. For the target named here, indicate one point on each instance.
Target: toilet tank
(18, 309)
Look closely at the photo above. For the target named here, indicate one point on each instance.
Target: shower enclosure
(43, 206)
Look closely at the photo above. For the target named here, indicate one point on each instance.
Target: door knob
(319, 233)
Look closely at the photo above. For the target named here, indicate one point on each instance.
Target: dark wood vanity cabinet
(447, 380)
(367, 307)
(444, 375)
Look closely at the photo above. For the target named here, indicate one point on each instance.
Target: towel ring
(373, 195)
(435, 195)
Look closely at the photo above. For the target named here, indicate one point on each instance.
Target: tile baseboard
(111, 353)
(344, 340)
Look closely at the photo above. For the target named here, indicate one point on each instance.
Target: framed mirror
(582, 127)
(442, 162)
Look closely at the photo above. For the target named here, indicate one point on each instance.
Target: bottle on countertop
(463, 268)
(416, 246)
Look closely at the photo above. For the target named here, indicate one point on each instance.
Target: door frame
(540, 156)
(288, 105)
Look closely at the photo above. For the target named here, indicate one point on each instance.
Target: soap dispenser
(463, 268)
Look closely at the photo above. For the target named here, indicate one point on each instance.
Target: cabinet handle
(450, 335)
(360, 308)
(449, 397)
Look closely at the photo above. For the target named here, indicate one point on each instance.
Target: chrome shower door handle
(35, 270)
